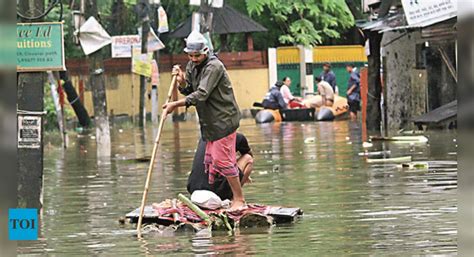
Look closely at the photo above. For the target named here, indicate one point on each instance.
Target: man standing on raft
(206, 85)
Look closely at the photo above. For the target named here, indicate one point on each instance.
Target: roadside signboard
(122, 45)
(29, 131)
(141, 63)
(40, 47)
(424, 13)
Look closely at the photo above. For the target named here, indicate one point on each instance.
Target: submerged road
(350, 206)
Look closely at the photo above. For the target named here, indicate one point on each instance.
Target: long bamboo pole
(153, 156)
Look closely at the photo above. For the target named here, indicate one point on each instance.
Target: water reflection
(351, 207)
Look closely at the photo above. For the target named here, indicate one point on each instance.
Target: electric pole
(206, 17)
(30, 110)
(97, 82)
(154, 88)
(143, 8)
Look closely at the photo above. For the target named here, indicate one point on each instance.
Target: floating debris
(378, 153)
(411, 132)
(367, 144)
(402, 139)
(415, 165)
(276, 168)
(310, 140)
(139, 159)
(386, 160)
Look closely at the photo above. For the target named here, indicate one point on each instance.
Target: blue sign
(23, 224)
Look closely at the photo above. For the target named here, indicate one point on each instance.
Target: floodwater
(350, 206)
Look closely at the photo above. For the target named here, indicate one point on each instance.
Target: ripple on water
(350, 207)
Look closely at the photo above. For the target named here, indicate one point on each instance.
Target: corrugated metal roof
(225, 20)
(385, 23)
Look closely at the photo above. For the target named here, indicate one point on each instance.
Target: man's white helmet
(196, 43)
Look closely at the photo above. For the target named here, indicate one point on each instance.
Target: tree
(305, 22)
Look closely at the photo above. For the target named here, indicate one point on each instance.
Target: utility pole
(143, 8)
(154, 88)
(374, 115)
(206, 18)
(30, 110)
(97, 82)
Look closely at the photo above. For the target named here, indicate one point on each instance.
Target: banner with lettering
(40, 47)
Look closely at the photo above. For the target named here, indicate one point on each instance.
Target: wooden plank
(438, 115)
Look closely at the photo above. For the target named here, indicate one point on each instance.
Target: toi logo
(23, 224)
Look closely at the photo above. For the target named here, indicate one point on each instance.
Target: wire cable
(46, 12)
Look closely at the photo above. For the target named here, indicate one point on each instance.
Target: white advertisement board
(427, 12)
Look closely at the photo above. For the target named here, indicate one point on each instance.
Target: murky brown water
(351, 207)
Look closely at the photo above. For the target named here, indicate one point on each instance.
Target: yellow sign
(141, 63)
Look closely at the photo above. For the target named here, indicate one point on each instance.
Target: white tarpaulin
(426, 12)
(92, 36)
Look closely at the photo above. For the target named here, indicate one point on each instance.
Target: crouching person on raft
(198, 179)
(207, 86)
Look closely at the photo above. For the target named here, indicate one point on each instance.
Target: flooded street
(350, 206)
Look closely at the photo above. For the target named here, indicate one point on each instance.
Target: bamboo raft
(172, 212)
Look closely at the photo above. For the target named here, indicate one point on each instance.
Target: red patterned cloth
(220, 158)
(189, 216)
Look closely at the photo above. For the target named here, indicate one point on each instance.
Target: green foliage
(177, 12)
(307, 22)
(303, 21)
(71, 50)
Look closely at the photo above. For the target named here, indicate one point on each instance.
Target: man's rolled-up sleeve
(209, 80)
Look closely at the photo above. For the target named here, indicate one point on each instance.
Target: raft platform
(280, 215)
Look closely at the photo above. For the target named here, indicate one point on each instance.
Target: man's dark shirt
(208, 87)
(354, 79)
(198, 179)
(274, 99)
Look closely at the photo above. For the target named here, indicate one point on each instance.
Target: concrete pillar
(306, 70)
(308, 59)
(272, 67)
(400, 60)
(374, 115)
(154, 104)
